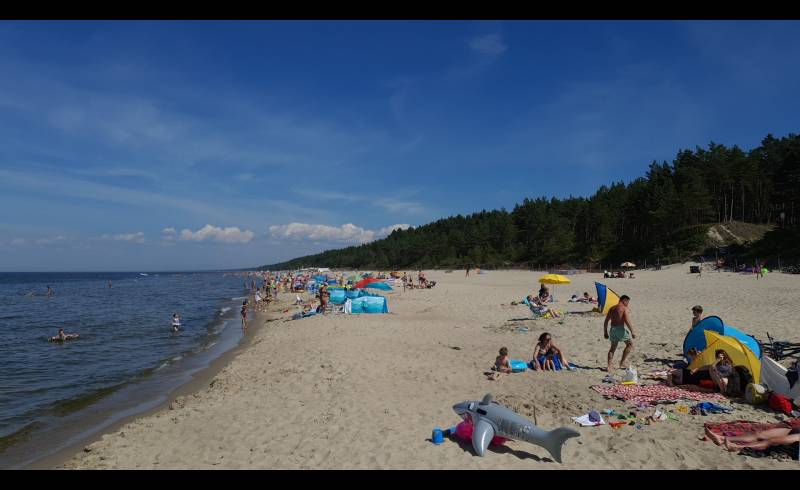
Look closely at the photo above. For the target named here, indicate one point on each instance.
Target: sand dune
(365, 391)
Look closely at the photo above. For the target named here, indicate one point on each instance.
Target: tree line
(662, 216)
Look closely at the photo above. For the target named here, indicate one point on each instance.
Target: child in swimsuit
(501, 363)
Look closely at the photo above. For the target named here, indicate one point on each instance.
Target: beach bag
(780, 403)
(707, 383)
(755, 394)
(631, 375)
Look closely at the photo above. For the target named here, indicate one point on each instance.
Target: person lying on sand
(779, 436)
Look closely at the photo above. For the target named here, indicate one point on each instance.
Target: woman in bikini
(544, 352)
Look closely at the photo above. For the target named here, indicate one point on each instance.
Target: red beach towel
(656, 393)
(746, 427)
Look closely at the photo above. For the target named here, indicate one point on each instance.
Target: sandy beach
(365, 391)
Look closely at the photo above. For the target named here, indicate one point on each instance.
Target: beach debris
(591, 419)
(658, 416)
(704, 408)
(522, 329)
(455, 347)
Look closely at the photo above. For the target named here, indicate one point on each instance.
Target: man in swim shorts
(619, 316)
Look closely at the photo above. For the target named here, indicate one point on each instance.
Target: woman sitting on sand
(544, 353)
(722, 373)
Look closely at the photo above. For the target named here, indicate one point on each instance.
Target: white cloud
(230, 234)
(347, 233)
(137, 237)
(38, 241)
(489, 45)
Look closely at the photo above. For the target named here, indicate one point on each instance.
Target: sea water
(126, 356)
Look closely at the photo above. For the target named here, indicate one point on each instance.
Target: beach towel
(556, 362)
(746, 427)
(654, 394)
(518, 366)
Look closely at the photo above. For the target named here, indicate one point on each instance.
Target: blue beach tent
(338, 296)
(697, 339)
(606, 297)
(368, 304)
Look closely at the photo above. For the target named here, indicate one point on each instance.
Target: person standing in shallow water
(619, 316)
(244, 315)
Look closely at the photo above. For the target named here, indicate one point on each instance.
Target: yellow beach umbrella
(554, 279)
(739, 353)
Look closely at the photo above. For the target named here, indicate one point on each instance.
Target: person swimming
(63, 336)
(176, 322)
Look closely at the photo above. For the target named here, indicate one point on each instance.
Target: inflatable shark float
(491, 419)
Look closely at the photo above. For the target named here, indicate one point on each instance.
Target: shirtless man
(619, 316)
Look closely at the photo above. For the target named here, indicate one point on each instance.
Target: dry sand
(365, 391)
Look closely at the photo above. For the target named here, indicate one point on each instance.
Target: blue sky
(194, 145)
